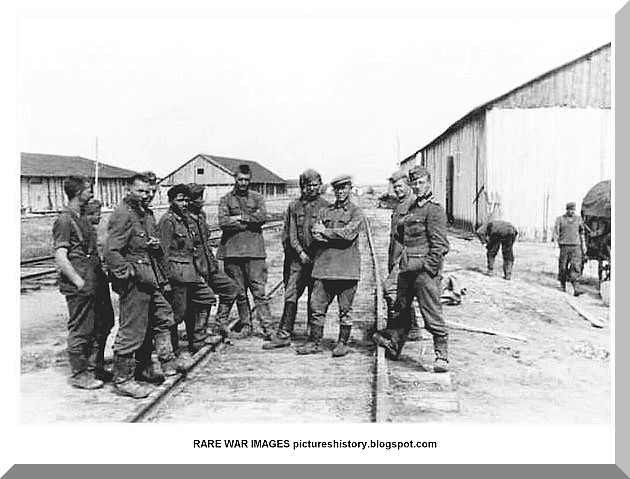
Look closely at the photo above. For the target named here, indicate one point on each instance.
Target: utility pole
(96, 169)
(398, 148)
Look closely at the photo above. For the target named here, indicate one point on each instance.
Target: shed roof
(40, 164)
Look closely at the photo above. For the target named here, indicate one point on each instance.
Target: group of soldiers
(166, 273)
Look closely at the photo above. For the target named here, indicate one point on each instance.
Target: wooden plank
(474, 329)
(595, 322)
(423, 377)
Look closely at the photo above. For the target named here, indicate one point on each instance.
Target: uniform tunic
(498, 234)
(568, 232)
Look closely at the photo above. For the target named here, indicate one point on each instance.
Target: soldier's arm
(225, 221)
(61, 241)
(556, 229)
(438, 242)
(167, 230)
(349, 232)
(118, 234)
(482, 233)
(258, 216)
(293, 232)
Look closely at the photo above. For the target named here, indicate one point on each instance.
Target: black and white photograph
(298, 220)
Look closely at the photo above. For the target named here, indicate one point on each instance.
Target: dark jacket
(242, 239)
(303, 214)
(422, 232)
(126, 253)
(338, 256)
(569, 230)
(204, 257)
(178, 243)
(395, 247)
(499, 228)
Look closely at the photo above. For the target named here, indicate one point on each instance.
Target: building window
(200, 171)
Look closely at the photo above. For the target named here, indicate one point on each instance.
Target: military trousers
(390, 291)
(251, 274)
(81, 322)
(223, 285)
(298, 280)
(427, 288)
(505, 242)
(324, 292)
(104, 312)
(569, 263)
(185, 298)
(143, 309)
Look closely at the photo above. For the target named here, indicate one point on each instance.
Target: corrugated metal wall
(540, 159)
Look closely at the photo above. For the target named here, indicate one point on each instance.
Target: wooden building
(525, 154)
(217, 174)
(42, 176)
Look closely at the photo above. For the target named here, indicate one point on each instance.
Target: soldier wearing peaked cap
(336, 266)
(422, 233)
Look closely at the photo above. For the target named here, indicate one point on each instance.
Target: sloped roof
(38, 164)
(260, 174)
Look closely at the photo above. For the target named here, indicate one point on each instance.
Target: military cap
(418, 172)
(397, 175)
(151, 176)
(340, 180)
(570, 205)
(176, 190)
(196, 190)
(92, 206)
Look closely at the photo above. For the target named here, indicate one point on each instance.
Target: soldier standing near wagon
(336, 268)
(241, 215)
(208, 266)
(134, 259)
(302, 214)
(422, 233)
(569, 233)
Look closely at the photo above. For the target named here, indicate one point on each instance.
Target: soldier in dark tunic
(336, 266)
(422, 233)
(497, 234)
(569, 234)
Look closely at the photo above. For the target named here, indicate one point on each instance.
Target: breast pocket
(138, 239)
(414, 227)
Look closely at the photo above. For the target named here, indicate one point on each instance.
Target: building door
(450, 176)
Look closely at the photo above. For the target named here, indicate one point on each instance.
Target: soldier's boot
(96, 360)
(440, 345)
(563, 286)
(507, 269)
(81, 377)
(244, 325)
(199, 334)
(282, 337)
(415, 333)
(490, 270)
(124, 382)
(313, 344)
(341, 349)
(392, 340)
(577, 291)
(219, 329)
(165, 350)
(390, 311)
(150, 372)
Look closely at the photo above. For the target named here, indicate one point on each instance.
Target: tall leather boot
(199, 334)
(146, 370)
(282, 337)
(490, 270)
(169, 362)
(264, 319)
(313, 345)
(440, 345)
(81, 377)
(414, 332)
(507, 269)
(124, 382)
(219, 328)
(244, 325)
(96, 360)
(341, 349)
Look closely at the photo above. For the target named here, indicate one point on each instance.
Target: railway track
(243, 383)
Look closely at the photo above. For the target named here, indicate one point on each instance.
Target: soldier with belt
(76, 257)
(303, 213)
(495, 234)
(191, 298)
(569, 233)
(336, 266)
(208, 266)
(402, 190)
(422, 233)
(242, 214)
(134, 259)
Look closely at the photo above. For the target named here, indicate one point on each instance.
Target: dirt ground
(561, 374)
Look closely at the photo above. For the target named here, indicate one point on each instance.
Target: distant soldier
(77, 259)
(104, 312)
(303, 213)
(191, 298)
(134, 258)
(336, 268)
(422, 233)
(497, 234)
(569, 233)
(402, 190)
(242, 214)
(207, 264)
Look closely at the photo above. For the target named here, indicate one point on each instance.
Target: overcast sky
(329, 93)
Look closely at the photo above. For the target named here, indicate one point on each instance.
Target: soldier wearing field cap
(497, 234)
(336, 266)
(569, 234)
(422, 233)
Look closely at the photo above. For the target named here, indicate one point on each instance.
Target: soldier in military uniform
(422, 233)
(242, 214)
(208, 266)
(191, 298)
(402, 190)
(134, 258)
(569, 233)
(303, 213)
(497, 234)
(77, 259)
(103, 310)
(336, 266)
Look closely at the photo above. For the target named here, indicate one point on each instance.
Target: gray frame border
(621, 49)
